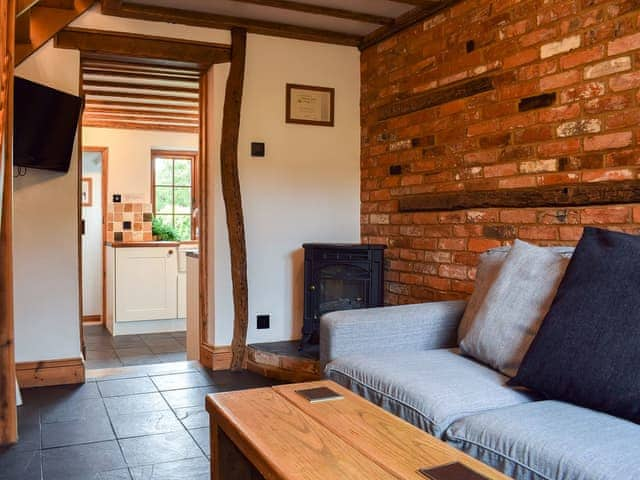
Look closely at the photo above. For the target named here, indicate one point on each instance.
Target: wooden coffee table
(274, 433)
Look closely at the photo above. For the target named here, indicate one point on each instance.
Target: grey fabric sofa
(405, 360)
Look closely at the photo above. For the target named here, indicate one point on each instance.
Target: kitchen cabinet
(146, 291)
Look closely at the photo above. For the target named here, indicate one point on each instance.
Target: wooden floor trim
(215, 358)
(47, 373)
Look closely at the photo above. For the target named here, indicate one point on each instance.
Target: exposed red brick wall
(587, 51)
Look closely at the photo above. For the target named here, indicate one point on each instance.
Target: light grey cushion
(551, 440)
(514, 307)
(430, 389)
(488, 267)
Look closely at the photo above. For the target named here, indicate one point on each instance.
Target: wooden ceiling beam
(63, 4)
(92, 84)
(419, 3)
(142, 96)
(123, 104)
(405, 21)
(209, 20)
(143, 118)
(320, 10)
(137, 126)
(108, 72)
(23, 28)
(198, 54)
(89, 109)
(128, 63)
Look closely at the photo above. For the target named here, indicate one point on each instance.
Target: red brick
(518, 182)
(607, 174)
(482, 244)
(605, 215)
(565, 112)
(636, 214)
(521, 58)
(624, 44)
(459, 272)
(538, 233)
(501, 170)
(581, 57)
(560, 80)
(518, 216)
(561, 147)
(452, 243)
(625, 81)
(608, 141)
(437, 282)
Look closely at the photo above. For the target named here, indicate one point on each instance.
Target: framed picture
(310, 105)
(87, 192)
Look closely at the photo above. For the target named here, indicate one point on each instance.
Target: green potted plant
(163, 232)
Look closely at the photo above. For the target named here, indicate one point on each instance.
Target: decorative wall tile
(129, 222)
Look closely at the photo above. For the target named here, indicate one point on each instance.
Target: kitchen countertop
(193, 254)
(148, 244)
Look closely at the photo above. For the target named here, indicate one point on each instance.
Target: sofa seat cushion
(551, 440)
(430, 389)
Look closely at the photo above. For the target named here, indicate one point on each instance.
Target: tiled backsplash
(129, 222)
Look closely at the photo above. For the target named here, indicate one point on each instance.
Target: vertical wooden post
(203, 215)
(232, 195)
(8, 412)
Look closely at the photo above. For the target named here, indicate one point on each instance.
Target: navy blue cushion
(587, 350)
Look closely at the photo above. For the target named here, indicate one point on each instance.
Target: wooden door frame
(8, 409)
(104, 152)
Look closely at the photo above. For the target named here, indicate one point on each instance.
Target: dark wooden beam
(574, 195)
(419, 3)
(138, 126)
(198, 54)
(226, 22)
(232, 195)
(435, 97)
(405, 21)
(320, 10)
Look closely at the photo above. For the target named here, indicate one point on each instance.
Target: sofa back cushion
(488, 267)
(514, 307)
(587, 350)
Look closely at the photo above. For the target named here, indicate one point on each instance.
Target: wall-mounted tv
(44, 126)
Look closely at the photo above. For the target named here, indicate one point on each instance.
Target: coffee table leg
(227, 461)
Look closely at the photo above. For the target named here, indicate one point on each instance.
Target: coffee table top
(287, 437)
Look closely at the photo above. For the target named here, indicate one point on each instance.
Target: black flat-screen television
(44, 126)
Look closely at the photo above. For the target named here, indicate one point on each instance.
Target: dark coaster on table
(451, 471)
(320, 394)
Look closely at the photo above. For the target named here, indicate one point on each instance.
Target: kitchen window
(173, 190)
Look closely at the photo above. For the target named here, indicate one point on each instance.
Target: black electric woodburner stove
(339, 277)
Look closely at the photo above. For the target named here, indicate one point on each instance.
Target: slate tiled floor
(127, 423)
(106, 351)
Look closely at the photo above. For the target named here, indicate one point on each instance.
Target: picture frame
(310, 105)
(86, 194)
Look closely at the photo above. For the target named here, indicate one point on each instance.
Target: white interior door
(92, 236)
(146, 283)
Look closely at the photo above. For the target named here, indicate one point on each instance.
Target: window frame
(192, 156)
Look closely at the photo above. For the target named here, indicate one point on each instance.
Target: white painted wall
(92, 238)
(129, 165)
(46, 282)
(306, 188)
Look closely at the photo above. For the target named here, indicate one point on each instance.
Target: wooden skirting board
(92, 319)
(215, 358)
(48, 373)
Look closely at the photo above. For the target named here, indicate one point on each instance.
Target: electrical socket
(264, 321)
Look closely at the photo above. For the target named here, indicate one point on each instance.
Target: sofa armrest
(424, 326)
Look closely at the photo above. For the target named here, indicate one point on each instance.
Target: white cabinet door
(146, 283)
(182, 295)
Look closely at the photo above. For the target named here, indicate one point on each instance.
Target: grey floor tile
(202, 438)
(98, 364)
(124, 341)
(167, 447)
(168, 346)
(82, 461)
(171, 357)
(144, 402)
(227, 380)
(181, 380)
(101, 354)
(62, 434)
(174, 367)
(127, 386)
(18, 464)
(67, 411)
(28, 428)
(133, 351)
(147, 423)
(193, 417)
(191, 469)
(190, 397)
(140, 360)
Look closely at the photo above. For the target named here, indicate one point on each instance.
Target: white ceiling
(272, 14)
